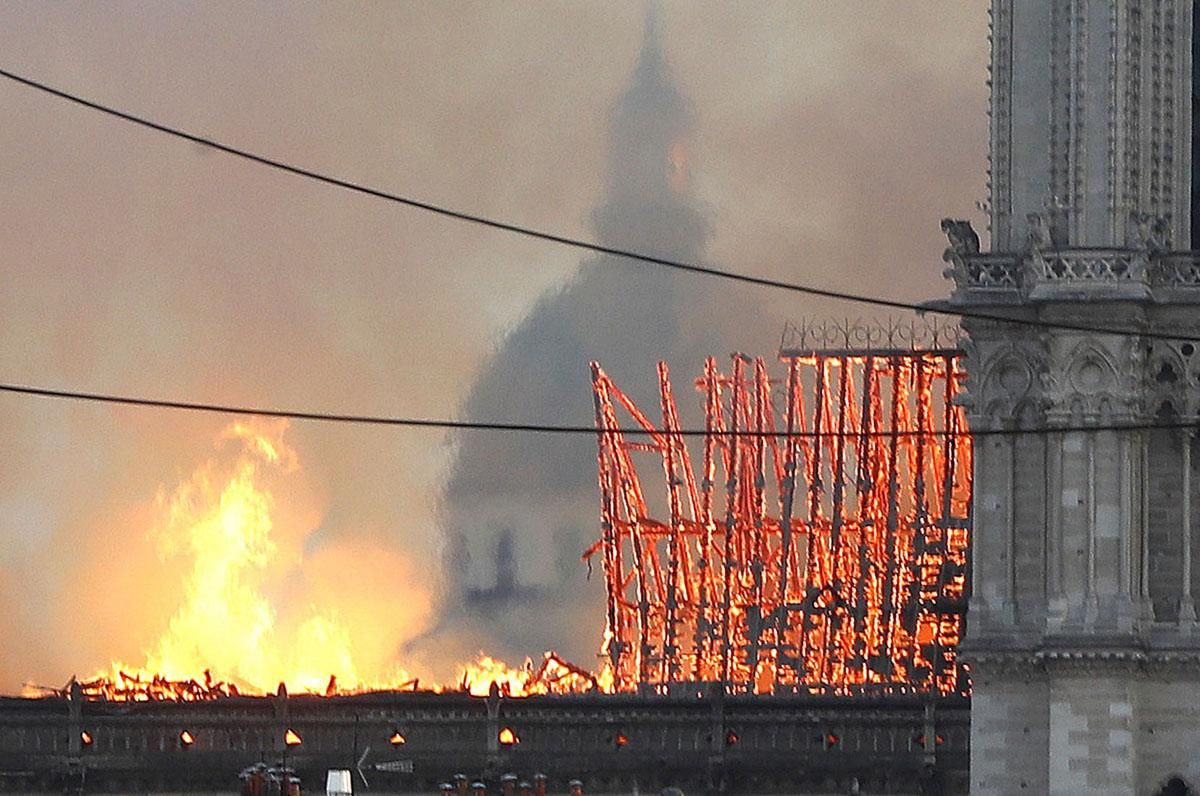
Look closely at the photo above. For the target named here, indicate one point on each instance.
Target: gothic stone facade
(1082, 630)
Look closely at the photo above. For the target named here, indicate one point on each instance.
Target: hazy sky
(830, 138)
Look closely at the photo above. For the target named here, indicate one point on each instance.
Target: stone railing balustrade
(1089, 265)
(1078, 269)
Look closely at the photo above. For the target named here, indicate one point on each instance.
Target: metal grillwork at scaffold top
(814, 539)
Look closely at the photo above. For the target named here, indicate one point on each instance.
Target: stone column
(1010, 536)
(1056, 608)
(1187, 605)
(1126, 599)
(1146, 606)
(1091, 598)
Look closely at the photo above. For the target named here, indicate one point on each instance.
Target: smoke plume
(815, 142)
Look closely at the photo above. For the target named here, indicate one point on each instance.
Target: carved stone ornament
(1147, 233)
(1038, 236)
(962, 236)
(964, 241)
(1037, 664)
(1010, 382)
(1171, 369)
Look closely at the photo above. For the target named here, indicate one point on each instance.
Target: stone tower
(1082, 632)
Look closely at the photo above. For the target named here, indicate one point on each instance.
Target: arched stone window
(1175, 786)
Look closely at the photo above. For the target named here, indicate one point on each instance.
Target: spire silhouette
(648, 203)
(613, 311)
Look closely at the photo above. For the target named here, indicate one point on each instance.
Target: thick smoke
(534, 498)
(829, 138)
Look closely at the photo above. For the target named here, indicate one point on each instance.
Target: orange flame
(225, 524)
(250, 617)
(554, 676)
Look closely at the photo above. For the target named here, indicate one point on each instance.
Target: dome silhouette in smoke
(541, 490)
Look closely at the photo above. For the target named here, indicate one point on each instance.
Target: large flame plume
(254, 610)
(226, 620)
(260, 600)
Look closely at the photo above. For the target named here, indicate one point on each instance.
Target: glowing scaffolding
(813, 550)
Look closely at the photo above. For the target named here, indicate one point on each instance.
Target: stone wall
(1010, 733)
(703, 742)
(1167, 733)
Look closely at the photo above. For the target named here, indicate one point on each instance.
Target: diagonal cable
(550, 428)
(577, 243)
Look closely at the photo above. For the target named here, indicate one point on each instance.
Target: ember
(554, 676)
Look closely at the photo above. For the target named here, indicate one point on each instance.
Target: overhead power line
(549, 428)
(577, 243)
